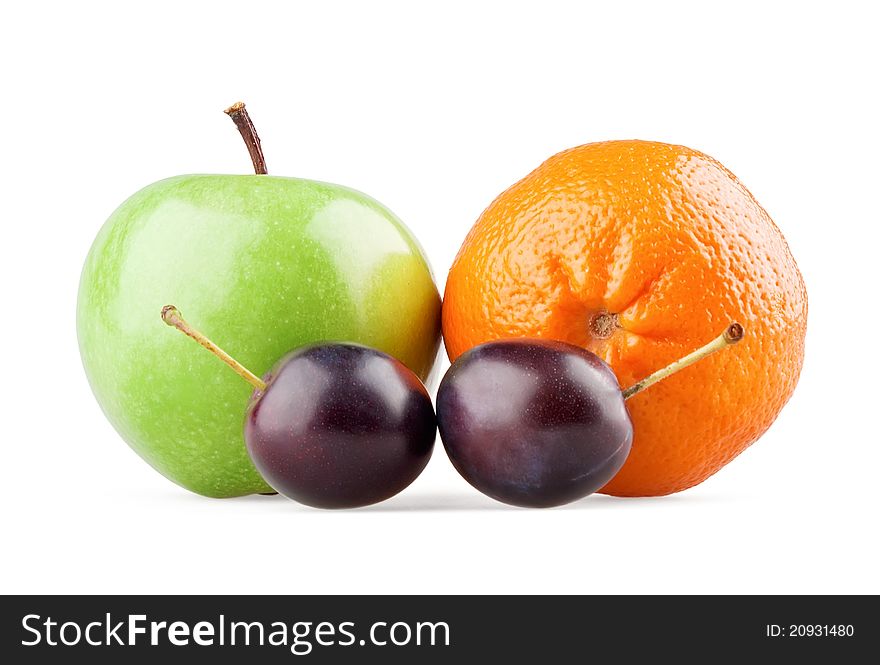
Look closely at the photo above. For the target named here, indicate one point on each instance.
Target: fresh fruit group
(533, 423)
(274, 263)
(637, 251)
(340, 426)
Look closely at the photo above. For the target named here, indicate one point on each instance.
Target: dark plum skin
(340, 426)
(533, 423)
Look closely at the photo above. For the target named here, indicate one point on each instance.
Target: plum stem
(248, 132)
(172, 316)
(731, 335)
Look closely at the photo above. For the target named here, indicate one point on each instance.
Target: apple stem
(248, 132)
(172, 316)
(731, 335)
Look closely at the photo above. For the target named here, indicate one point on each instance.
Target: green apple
(264, 265)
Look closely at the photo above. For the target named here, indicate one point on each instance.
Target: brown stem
(731, 335)
(603, 324)
(172, 316)
(248, 132)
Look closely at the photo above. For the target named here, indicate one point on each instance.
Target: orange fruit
(641, 252)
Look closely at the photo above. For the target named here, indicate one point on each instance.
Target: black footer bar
(436, 629)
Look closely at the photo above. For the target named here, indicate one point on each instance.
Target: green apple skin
(260, 264)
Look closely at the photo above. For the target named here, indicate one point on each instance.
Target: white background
(434, 110)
